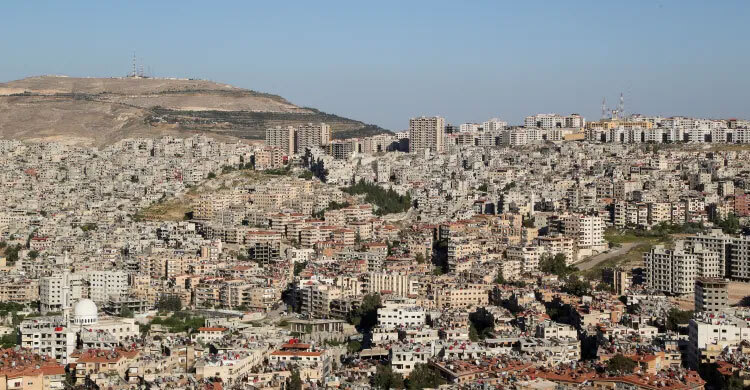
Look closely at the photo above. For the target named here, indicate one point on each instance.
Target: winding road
(592, 261)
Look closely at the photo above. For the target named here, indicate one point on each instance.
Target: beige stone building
(426, 133)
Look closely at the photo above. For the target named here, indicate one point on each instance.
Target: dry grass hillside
(103, 110)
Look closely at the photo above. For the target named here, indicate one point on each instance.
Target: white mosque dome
(85, 312)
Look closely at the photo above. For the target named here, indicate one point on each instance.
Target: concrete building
(106, 284)
(711, 294)
(426, 133)
(311, 136)
(401, 314)
(673, 271)
(282, 138)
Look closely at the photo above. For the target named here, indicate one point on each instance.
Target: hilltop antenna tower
(621, 108)
(134, 74)
(604, 107)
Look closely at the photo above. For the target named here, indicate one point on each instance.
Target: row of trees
(423, 376)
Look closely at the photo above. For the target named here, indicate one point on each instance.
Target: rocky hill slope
(99, 111)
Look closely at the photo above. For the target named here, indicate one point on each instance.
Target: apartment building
(58, 292)
(426, 133)
(527, 256)
(401, 314)
(711, 294)
(673, 271)
(281, 138)
(551, 121)
(402, 285)
(707, 331)
(342, 149)
(456, 296)
(106, 284)
(310, 136)
(588, 230)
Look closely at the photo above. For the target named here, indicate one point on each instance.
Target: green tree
(576, 286)
(353, 346)
(482, 321)
(11, 253)
(126, 312)
(621, 364)
(169, 302)
(473, 334)
(420, 258)
(529, 222)
(555, 265)
(387, 201)
(9, 340)
(295, 382)
(385, 378)
(675, 317)
(211, 175)
(365, 316)
(299, 267)
(735, 383)
(730, 225)
(424, 376)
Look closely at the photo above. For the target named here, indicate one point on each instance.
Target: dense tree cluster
(169, 303)
(424, 376)
(365, 316)
(675, 317)
(555, 265)
(385, 378)
(620, 364)
(387, 201)
(576, 286)
(730, 225)
(11, 252)
(481, 323)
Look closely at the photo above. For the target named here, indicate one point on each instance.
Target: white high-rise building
(397, 284)
(468, 127)
(58, 292)
(551, 121)
(426, 133)
(403, 314)
(588, 230)
(494, 124)
(103, 284)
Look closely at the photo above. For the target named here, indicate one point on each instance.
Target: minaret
(531, 205)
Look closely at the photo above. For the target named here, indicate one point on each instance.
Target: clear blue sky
(385, 61)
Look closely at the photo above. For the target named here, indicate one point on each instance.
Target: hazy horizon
(384, 63)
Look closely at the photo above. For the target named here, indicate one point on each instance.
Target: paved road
(594, 260)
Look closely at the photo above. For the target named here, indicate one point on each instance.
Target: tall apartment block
(426, 133)
(292, 140)
(282, 138)
(711, 294)
(551, 121)
(311, 135)
(673, 271)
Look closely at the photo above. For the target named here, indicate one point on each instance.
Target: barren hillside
(104, 110)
